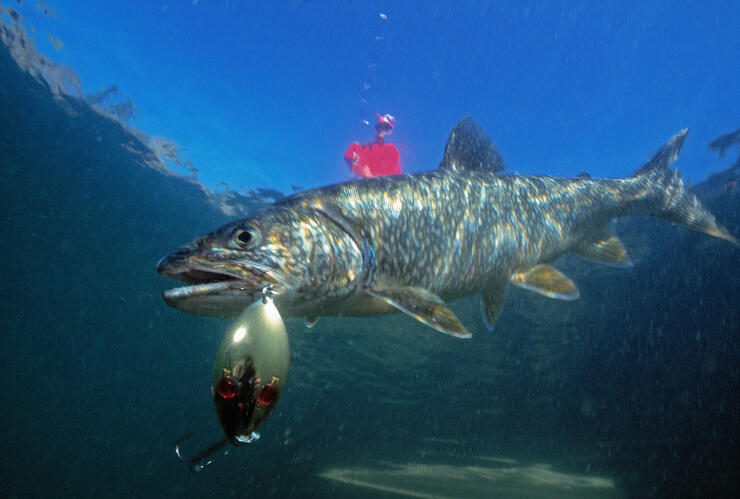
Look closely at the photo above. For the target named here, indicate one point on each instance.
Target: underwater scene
(370, 249)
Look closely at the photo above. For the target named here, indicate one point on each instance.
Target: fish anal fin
(547, 281)
(422, 305)
(605, 248)
(492, 302)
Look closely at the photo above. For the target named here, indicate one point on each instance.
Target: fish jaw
(217, 299)
(215, 286)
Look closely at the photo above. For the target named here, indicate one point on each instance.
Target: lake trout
(411, 243)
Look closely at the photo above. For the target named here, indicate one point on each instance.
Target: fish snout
(175, 264)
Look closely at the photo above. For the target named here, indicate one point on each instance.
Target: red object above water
(373, 160)
(386, 120)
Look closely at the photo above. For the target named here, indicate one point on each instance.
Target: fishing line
(372, 68)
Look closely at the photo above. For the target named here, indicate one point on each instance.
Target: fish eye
(244, 237)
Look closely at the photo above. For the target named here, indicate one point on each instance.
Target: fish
(412, 243)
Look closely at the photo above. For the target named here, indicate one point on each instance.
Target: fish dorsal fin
(470, 148)
(422, 305)
(547, 281)
(605, 247)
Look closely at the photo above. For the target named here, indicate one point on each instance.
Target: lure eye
(268, 395)
(243, 237)
(227, 388)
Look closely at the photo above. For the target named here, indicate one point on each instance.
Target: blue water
(631, 391)
(269, 94)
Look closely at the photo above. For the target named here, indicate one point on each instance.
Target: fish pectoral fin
(422, 305)
(548, 281)
(492, 302)
(605, 247)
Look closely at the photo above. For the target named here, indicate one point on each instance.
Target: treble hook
(203, 458)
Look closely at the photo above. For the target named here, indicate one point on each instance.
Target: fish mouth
(199, 279)
(218, 289)
(196, 276)
(202, 268)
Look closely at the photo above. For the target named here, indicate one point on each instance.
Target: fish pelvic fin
(548, 281)
(422, 305)
(470, 148)
(667, 196)
(492, 301)
(604, 247)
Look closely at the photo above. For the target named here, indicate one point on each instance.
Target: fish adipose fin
(470, 148)
(668, 196)
(605, 247)
(422, 305)
(492, 302)
(548, 281)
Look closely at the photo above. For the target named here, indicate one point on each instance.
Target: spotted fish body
(412, 242)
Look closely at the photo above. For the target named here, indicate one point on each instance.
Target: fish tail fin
(666, 195)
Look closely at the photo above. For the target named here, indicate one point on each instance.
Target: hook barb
(202, 459)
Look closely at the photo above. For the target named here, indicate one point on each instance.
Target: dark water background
(637, 381)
